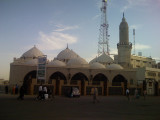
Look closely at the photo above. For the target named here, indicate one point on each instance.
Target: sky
(51, 24)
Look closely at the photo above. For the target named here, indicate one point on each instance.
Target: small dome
(114, 67)
(97, 65)
(103, 59)
(77, 62)
(32, 53)
(56, 63)
(67, 54)
(32, 62)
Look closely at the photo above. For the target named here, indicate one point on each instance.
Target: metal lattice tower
(103, 44)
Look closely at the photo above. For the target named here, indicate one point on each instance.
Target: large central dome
(66, 55)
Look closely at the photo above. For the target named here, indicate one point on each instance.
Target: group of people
(136, 94)
(15, 89)
(94, 92)
(44, 93)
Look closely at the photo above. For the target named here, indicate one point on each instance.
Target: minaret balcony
(122, 44)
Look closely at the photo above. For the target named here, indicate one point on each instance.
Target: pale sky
(51, 24)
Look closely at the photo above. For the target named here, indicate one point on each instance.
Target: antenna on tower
(103, 43)
(134, 43)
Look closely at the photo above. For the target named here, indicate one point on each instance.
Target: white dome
(103, 59)
(77, 62)
(67, 54)
(114, 67)
(97, 65)
(33, 52)
(31, 62)
(56, 63)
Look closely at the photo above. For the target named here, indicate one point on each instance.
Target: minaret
(124, 46)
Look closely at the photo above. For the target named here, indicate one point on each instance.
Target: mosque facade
(68, 69)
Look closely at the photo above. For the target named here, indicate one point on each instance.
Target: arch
(96, 81)
(117, 87)
(117, 80)
(57, 76)
(28, 80)
(99, 77)
(79, 76)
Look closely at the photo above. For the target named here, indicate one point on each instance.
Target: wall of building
(151, 76)
(18, 73)
(139, 61)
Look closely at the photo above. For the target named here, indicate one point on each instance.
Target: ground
(63, 108)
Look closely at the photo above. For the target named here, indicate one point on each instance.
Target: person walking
(39, 97)
(6, 89)
(144, 94)
(71, 93)
(45, 95)
(136, 93)
(22, 91)
(13, 89)
(95, 94)
(127, 94)
(16, 89)
(50, 94)
(45, 89)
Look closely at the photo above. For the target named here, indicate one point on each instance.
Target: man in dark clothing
(6, 89)
(22, 91)
(16, 89)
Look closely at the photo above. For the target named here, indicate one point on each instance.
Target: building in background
(158, 65)
(3, 84)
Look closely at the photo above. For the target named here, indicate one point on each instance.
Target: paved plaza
(62, 108)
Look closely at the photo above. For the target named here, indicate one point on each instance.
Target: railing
(130, 44)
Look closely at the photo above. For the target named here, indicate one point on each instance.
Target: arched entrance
(119, 85)
(97, 80)
(58, 77)
(28, 81)
(79, 79)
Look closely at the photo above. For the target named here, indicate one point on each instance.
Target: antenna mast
(134, 42)
(103, 44)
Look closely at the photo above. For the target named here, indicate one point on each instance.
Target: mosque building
(68, 69)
